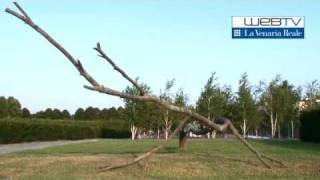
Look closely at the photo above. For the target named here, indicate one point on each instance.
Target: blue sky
(155, 40)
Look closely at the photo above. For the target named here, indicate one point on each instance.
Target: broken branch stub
(95, 86)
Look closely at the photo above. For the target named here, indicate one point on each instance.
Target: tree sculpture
(223, 124)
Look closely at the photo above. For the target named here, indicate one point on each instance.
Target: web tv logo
(262, 27)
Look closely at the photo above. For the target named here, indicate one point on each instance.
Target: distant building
(303, 104)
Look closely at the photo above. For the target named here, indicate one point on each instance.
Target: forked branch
(95, 86)
(22, 11)
(115, 67)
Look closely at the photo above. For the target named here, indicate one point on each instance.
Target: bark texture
(182, 140)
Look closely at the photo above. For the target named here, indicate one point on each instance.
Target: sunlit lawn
(203, 159)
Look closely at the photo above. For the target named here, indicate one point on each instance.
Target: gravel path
(12, 148)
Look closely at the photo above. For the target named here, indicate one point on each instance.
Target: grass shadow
(295, 145)
(169, 149)
(208, 157)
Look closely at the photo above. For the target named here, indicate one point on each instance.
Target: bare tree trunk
(158, 129)
(289, 130)
(209, 134)
(279, 131)
(275, 125)
(166, 134)
(272, 125)
(167, 124)
(214, 133)
(133, 132)
(271, 122)
(257, 133)
(182, 139)
(139, 134)
(244, 128)
(292, 130)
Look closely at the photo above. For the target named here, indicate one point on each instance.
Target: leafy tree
(40, 114)
(92, 113)
(181, 99)
(289, 98)
(136, 112)
(120, 111)
(14, 107)
(280, 101)
(149, 118)
(165, 95)
(271, 105)
(313, 90)
(3, 107)
(56, 114)
(246, 104)
(214, 99)
(260, 120)
(113, 113)
(79, 114)
(312, 95)
(48, 113)
(104, 114)
(25, 113)
(65, 114)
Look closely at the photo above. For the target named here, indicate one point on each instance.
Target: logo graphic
(262, 27)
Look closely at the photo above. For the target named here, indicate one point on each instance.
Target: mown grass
(203, 159)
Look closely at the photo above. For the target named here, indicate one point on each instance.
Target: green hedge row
(310, 126)
(24, 130)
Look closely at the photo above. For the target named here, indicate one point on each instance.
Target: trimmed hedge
(310, 126)
(24, 130)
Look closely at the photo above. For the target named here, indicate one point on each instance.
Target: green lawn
(203, 159)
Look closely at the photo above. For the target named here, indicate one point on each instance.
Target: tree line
(265, 109)
(11, 108)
